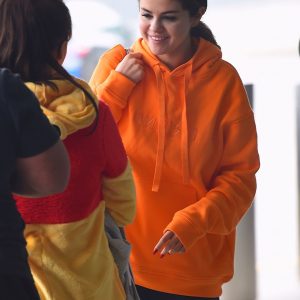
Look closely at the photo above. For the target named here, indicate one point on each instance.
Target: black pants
(13, 287)
(147, 294)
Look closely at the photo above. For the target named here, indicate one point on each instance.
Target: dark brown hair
(32, 31)
(201, 30)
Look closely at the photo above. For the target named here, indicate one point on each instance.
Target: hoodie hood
(65, 105)
(202, 63)
(203, 60)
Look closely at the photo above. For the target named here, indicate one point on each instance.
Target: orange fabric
(191, 138)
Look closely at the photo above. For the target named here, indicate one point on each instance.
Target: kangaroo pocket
(211, 256)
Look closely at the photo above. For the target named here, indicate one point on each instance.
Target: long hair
(32, 32)
(201, 30)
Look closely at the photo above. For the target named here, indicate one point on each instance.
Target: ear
(62, 52)
(198, 16)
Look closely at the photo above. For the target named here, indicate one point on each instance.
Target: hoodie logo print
(146, 122)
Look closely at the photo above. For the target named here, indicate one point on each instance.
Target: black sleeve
(34, 132)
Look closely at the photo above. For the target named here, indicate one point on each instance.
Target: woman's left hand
(169, 244)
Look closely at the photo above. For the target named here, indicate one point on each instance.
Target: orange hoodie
(191, 138)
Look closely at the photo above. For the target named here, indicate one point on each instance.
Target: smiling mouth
(157, 38)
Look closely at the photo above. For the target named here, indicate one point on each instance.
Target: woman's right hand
(132, 66)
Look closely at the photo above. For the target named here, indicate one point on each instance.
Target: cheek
(182, 31)
(143, 28)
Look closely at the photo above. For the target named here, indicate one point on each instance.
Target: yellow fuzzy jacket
(67, 245)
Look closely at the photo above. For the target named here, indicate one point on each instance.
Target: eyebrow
(164, 13)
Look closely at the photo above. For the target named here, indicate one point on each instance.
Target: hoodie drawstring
(161, 129)
(184, 130)
(205, 58)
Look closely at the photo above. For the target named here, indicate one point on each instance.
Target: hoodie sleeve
(231, 192)
(109, 85)
(118, 186)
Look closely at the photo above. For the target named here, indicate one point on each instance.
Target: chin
(157, 51)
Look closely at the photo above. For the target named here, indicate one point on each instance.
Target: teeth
(156, 38)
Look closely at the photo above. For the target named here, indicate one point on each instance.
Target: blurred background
(260, 38)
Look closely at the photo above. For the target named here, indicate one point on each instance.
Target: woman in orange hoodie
(190, 134)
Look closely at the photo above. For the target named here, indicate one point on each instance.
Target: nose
(156, 25)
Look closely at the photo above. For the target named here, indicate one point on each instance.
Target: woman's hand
(170, 244)
(132, 66)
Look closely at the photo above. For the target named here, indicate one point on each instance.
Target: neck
(176, 59)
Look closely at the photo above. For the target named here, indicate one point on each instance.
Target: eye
(170, 18)
(146, 16)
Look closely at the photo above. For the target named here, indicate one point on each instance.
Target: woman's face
(165, 27)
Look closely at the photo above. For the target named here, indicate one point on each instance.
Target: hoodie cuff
(119, 86)
(185, 230)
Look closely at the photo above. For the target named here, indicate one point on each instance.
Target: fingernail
(155, 251)
(162, 255)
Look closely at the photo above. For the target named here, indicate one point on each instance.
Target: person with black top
(33, 162)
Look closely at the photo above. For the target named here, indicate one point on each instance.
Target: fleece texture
(68, 250)
(191, 138)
